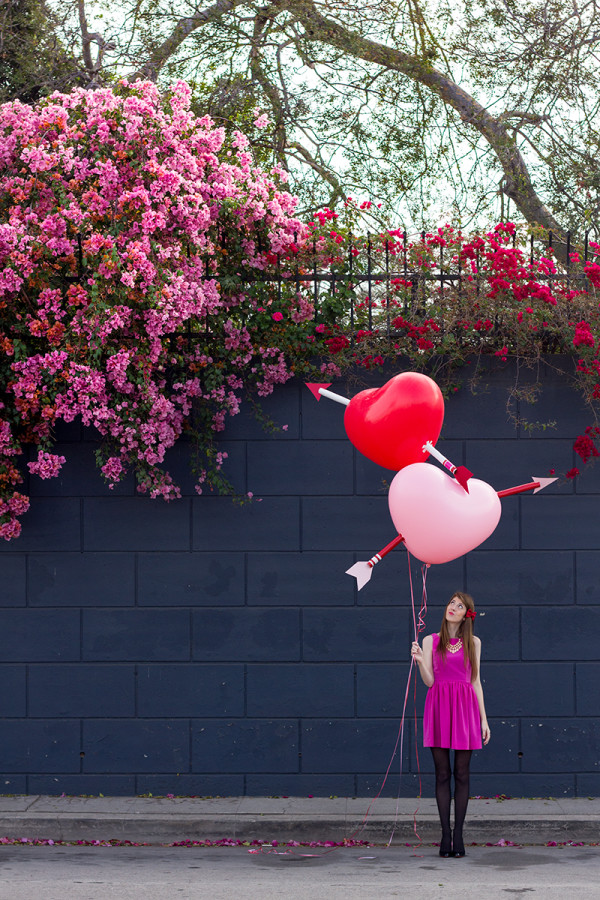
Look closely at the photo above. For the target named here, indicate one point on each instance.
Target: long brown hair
(465, 632)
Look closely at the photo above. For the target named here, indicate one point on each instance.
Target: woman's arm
(424, 658)
(485, 728)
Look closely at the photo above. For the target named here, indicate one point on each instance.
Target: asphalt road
(162, 873)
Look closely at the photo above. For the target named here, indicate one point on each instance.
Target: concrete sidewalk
(162, 820)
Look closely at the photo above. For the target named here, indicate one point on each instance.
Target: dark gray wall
(204, 648)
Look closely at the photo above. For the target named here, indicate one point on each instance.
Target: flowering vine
(132, 234)
(152, 276)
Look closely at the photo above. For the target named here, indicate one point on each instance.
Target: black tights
(443, 772)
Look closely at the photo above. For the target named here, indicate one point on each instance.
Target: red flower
(572, 473)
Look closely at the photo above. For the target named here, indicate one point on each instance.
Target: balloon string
(419, 627)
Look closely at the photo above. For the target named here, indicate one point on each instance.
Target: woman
(454, 717)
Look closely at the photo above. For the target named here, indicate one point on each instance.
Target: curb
(142, 828)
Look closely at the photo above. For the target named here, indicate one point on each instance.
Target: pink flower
(47, 465)
(277, 316)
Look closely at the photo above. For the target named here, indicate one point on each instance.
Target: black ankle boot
(446, 845)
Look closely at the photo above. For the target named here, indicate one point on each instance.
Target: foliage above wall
(151, 276)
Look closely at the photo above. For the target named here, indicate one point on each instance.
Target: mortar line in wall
(520, 634)
(135, 579)
(191, 530)
(81, 525)
(245, 690)
(81, 750)
(300, 766)
(575, 587)
(80, 635)
(301, 635)
(301, 523)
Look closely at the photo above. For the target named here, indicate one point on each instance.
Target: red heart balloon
(390, 424)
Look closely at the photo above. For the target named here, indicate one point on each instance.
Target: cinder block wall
(204, 648)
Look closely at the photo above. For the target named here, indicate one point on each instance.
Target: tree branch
(184, 27)
(517, 180)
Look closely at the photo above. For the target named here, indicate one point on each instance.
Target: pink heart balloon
(436, 516)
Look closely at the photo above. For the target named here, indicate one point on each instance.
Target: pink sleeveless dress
(451, 718)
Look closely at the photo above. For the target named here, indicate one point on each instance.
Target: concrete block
(186, 785)
(13, 696)
(587, 784)
(300, 467)
(298, 579)
(527, 577)
(79, 476)
(347, 746)
(529, 689)
(13, 784)
(190, 690)
(560, 745)
(272, 524)
(405, 785)
(81, 579)
(361, 634)
(51, 523)
(136, 634)
(300, 690)
(13, 580)
(587, 679)
(244, 746)
(40, 635)
(324, 419)
(141, 746)
(524, 784)
(136, 523)
(341, 523)
(180, 463)
(560, 523)
(371, 479)
(551, 633)
(587, 567)
(588, 482)
(300, 785)
(39, 745)
(191, 579)
(250, 635)
(282, 407)
(479, 410)
(381, 688)
(81, 690)
(557, 402)
(74, 785)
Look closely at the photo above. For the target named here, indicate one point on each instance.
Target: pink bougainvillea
(130, 229)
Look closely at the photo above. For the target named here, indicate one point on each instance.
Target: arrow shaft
(519, 489)
(337, 397)
(388, 547)
(440, 457)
